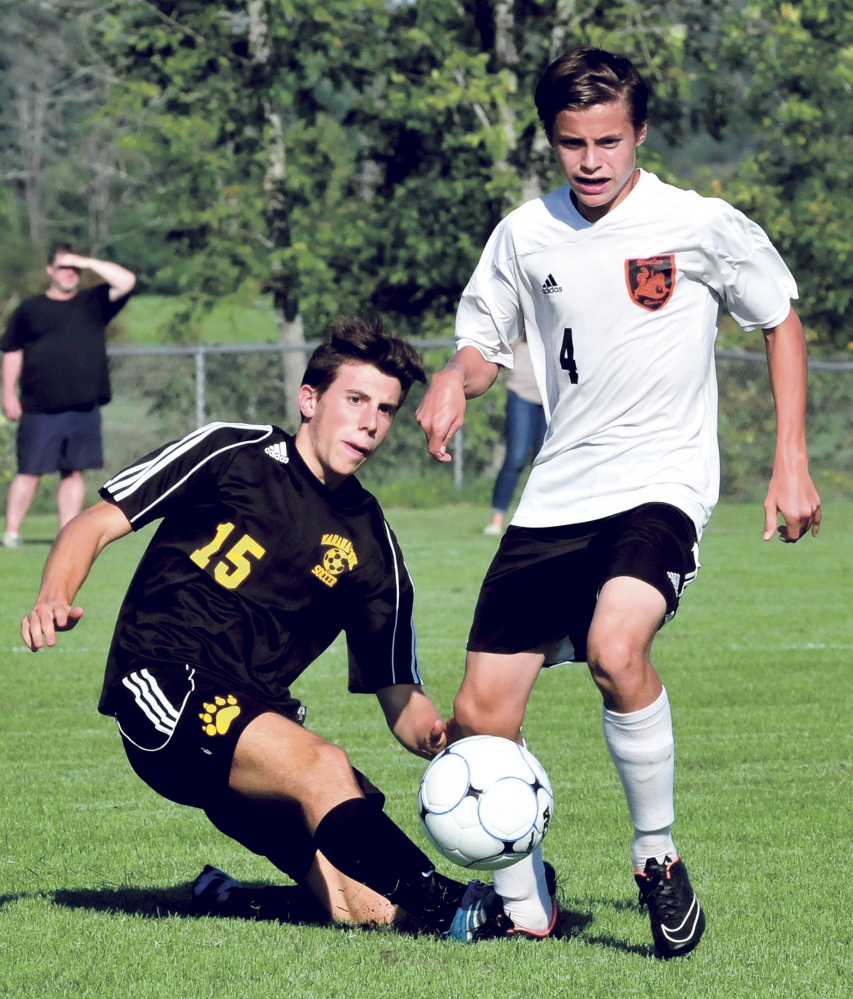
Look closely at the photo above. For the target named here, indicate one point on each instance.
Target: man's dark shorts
(60, 442)
(543, 583)
(180, 729)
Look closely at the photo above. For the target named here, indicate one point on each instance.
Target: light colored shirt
(621, 316)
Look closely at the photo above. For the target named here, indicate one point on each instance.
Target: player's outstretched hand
(442, 412)
(797, 500)
(39, 627)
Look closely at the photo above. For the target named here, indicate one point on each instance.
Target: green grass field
(94, 900)
(233, 320)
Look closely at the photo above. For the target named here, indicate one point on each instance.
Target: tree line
(356, 154)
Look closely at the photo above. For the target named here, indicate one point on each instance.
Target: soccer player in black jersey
(267, 549)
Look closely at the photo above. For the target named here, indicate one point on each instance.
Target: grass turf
(232, 320)
(94, 866)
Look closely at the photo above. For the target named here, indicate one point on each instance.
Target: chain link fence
(161, 393)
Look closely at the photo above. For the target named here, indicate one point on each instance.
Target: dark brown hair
(363, 340)
(56, 249)
(588, 76)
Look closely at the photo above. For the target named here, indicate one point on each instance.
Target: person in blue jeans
(525, 431)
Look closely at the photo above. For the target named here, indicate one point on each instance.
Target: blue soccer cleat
(480, 915)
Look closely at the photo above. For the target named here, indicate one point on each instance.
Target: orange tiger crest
(651, 281)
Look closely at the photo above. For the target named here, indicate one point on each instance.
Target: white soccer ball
(485, 802)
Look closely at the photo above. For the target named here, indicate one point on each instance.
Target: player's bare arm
(72, 556)
(413, 718)
(120, 279)
(13, 361)
(442, 412)
(791, 492)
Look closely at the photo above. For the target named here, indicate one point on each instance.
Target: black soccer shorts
(543, 583)
(180, 729)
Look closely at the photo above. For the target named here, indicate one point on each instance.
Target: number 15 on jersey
(229, 576)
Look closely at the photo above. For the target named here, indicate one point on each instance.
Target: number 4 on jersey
(567, 357)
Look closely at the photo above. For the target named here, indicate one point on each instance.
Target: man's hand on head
(71, 260)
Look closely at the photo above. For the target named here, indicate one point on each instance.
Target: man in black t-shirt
(55, 348)
(268, 548)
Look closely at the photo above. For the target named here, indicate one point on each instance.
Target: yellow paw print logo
(217, 717)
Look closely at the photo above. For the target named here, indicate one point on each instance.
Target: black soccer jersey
(257, 567)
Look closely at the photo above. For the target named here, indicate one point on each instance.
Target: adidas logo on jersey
(278, 451)
(550, 287)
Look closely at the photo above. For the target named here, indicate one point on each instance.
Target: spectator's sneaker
(211, 890)
(12, 540)
(480, 915)
(676, 916)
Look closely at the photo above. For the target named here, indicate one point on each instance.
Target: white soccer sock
(643, 749)
(525, 893)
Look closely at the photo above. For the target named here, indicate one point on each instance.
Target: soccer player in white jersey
(618, 281)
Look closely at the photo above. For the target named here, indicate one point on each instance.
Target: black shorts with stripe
(180, 729)
(543, 583)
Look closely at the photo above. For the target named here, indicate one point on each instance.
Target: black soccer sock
(368, 847)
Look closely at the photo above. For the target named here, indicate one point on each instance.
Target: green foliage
(356, 154)
(18, 256)
(8, 463)
(792, 94)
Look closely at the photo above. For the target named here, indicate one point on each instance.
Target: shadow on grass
(153, 903)
(642, 950)
(157, 903)
(264, 903)
(574, 923)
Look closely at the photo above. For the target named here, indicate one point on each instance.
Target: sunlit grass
(93, 898)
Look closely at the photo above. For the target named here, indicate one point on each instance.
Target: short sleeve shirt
(256, 567)
(64, 343)
(621, 316)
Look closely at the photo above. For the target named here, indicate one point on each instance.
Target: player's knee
(329, 762)
(481, 715)
(614, 660)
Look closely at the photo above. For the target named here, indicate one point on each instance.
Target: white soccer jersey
(621, 316)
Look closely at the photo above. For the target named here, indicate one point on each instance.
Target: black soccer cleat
(674, 911)
(211, 889)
